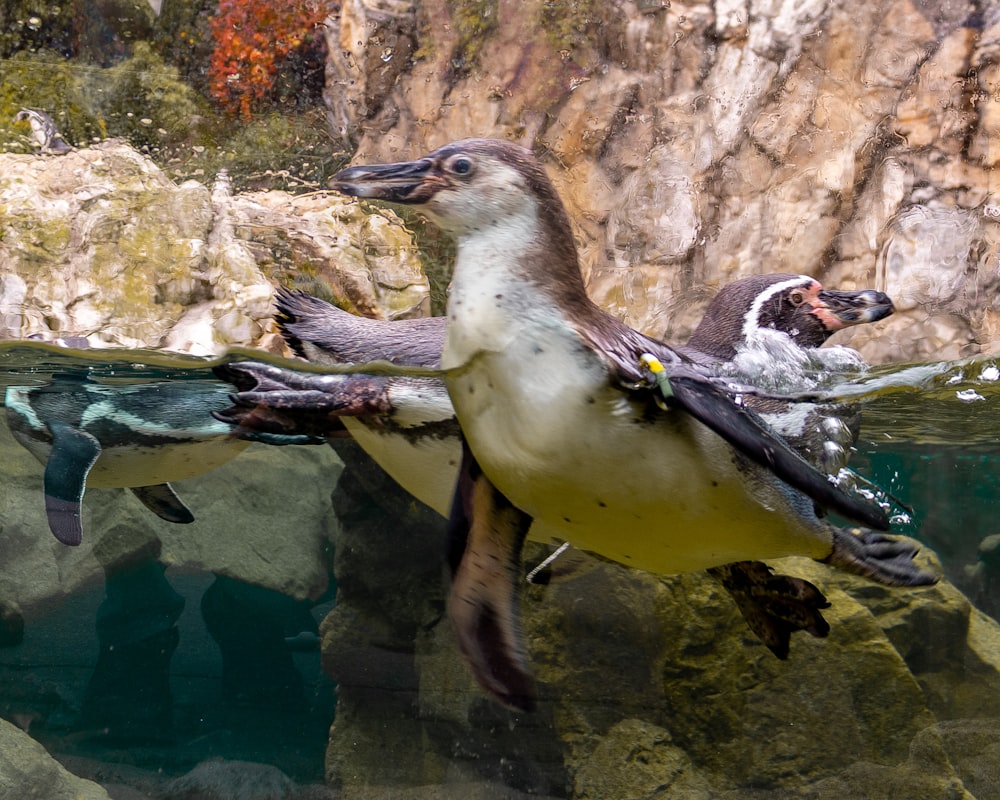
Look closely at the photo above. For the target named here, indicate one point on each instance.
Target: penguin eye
(796, 297)
(460, 165)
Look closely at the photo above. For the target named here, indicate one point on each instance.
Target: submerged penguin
(137, 436)
(408, 424)
(563, 429)
(44, 131)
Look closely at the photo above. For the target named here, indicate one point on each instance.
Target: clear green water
(930, 438)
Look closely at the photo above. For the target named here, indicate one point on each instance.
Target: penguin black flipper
(163, 501)
(486, 534)
(716, 408)
(73, 454)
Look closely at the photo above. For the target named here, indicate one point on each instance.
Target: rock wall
(99, 243)
(27, 771)
(695, 143)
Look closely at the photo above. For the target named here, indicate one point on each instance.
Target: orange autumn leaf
(252, 39)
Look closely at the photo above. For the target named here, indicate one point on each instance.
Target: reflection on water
(143, 655)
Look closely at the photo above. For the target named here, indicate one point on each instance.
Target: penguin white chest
(658, 491)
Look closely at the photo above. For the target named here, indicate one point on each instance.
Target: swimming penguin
(139, 436)
(44, 131)
(562, 427)
(408, 425)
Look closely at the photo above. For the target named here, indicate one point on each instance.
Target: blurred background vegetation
(198, 85)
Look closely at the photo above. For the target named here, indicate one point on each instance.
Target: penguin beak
(403, 182)
(838, 310)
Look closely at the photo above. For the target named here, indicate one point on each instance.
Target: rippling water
(930, 436)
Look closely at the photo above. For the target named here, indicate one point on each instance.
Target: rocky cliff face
(99, 243)
(696, 143)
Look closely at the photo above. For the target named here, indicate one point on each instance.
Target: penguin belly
(425, 466)
(141, 465)
(659, 492)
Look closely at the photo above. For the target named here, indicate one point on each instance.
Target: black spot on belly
(715, 483)
(567, 519)
(591, 400)
(602, 504)
(472, 390)
(498, 296)
(538, 350)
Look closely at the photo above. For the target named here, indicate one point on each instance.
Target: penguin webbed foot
(261, 423)
(773, 606)
(281, 406)
(882, 558)
(338, 394)
(488, 533)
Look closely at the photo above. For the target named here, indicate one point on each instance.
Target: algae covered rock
(654, 687)
(27, 771)
(635, 761)
(100, 243)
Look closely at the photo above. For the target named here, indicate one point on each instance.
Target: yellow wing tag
(661, 380)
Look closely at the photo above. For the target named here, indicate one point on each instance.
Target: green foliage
(146, 99)
(143, 100)
(30, 27)
(183, 37)
(571, 26)
(436, 250)
(272, 151)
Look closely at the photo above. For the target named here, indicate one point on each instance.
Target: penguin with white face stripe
(139, 436)
(408, 425)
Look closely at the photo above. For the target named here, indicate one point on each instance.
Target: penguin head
(795, 305)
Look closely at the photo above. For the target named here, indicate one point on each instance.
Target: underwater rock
(368, 638)
(240, 780)
(638, 760)
(972, 746)
(11, 624)
(28, 771)
(250, 625)
(101, 244)
(647, 682)
(128, 697)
